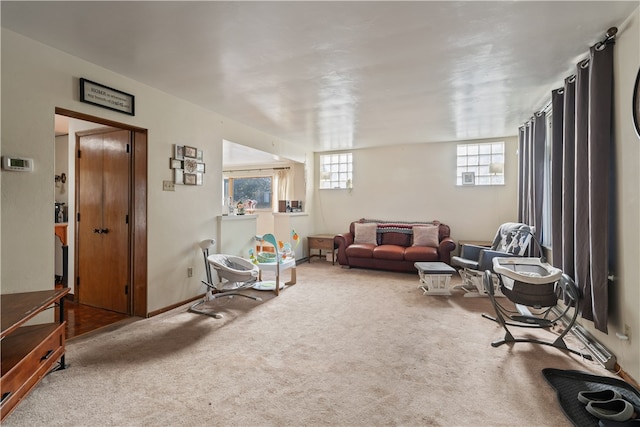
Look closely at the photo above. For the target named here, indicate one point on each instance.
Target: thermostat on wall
(20, 164)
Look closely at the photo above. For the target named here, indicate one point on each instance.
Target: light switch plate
(168, 186)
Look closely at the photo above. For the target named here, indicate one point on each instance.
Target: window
(242, 189)
(485, 161)
(336, 171)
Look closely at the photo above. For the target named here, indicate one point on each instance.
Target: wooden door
(103, 200)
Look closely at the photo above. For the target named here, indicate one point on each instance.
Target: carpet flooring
(342, 347)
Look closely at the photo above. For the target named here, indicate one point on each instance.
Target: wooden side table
(29, 352)
(320, 242)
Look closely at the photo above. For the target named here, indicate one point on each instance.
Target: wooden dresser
(28, 352)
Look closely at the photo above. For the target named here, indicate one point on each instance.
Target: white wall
(236, 235)
(35, 80)
(418, 182)
(624, 299)
(404, 183)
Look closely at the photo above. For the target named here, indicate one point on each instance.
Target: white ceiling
(338, 75)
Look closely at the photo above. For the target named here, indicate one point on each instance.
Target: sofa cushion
(389, 252)
(426, 236)
(421, 254)
(400, 239)
(365, 233)
(360, 251)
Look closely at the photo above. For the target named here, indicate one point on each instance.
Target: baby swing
(535, 287)
(233, 274)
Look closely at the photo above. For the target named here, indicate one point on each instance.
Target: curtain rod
(608, 36)
(546, 108)
(258, 169)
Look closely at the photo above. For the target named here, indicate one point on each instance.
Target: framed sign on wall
(106, 97)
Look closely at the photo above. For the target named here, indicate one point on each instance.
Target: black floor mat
(569, 383)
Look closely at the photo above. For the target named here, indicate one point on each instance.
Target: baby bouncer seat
(535, 288)
(232, 275)
(511, 240)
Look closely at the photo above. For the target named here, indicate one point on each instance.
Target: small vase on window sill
(230, 207)
(251, 206)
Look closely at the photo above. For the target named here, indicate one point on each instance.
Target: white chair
(233, 274)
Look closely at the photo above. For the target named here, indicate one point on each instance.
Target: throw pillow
(365, 233)
(426, 236)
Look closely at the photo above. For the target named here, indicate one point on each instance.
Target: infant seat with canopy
(232, 275)
(511, 240)
(535, 287)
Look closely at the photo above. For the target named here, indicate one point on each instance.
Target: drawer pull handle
(5, 396)
(46, 356)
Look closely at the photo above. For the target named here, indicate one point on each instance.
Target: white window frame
(335, 171)
(481, 163)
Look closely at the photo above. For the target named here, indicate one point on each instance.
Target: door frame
(138, 229)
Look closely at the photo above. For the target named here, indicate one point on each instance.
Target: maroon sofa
(394, 250)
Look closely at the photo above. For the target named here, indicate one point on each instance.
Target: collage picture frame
(187, 164)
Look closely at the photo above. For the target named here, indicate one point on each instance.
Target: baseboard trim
(601, 353)
(625, 376)
(171, 307)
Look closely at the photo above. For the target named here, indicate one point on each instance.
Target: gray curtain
(567, 225)
(523, 172)
(531, 174)
(522, 138)
(557, 103)
(581, 185)
(600, 176)
(537, 171)
(582, 174)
